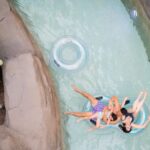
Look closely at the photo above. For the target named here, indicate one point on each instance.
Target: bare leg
(95, 115)
(135, 104)
(91, 98)
(140, 104)
(79, 114)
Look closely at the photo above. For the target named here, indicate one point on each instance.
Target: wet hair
(123, 128)
(127, 102)
(124, 111)
(114, 116)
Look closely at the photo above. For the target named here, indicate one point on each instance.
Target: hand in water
(102, 126)
(94, 128)
(67, 113)
(78, 120)
(91, 129)
(145, 93)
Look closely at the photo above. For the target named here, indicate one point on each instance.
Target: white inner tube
(56, 50)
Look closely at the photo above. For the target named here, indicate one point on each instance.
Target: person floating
(99, 111)
(129, 115)
(111, 113)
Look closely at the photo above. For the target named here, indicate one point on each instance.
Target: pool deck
(32, 113)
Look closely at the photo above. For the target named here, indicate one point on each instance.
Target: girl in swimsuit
(98, 110)
(116, 113)
(129, 115)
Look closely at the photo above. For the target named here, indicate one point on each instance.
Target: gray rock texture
(31, 111)
(146, 6)
(13, 39)
(32, 119)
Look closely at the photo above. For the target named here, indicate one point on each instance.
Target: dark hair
(124, 111)
(123, 128)
(127, 102)
(114, 116)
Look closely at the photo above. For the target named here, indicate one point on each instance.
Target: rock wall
(146, 5)
(32, 111)
(10, 140)
(29, 100)
(14, 40)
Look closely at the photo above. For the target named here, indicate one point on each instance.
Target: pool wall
(32, 111)
(142, 22)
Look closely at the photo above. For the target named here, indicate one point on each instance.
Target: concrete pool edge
(32, 111)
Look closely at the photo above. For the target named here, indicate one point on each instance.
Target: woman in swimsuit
(129, 115)
(116, 113)
(98, 110)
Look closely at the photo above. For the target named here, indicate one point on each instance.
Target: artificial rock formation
(28, 99)
(32, 114)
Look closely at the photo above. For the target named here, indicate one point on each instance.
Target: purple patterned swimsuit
(98, 108)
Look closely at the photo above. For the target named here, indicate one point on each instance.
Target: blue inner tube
(140, 119)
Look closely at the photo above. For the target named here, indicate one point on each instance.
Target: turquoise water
(117, 63)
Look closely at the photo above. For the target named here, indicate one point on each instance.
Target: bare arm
(111, 122)
(114, 104)
(124, 101)
(98, 125)
(141, 126)
(116, 121)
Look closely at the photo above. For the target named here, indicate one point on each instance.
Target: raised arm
(124, 101)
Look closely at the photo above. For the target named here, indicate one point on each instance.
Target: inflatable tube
(140, 119)
(60, 46)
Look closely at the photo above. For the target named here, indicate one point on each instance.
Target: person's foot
(149, 117)
(142, 92)
(67, 113)
(74, 88)
(145, 92)
(78, 120)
